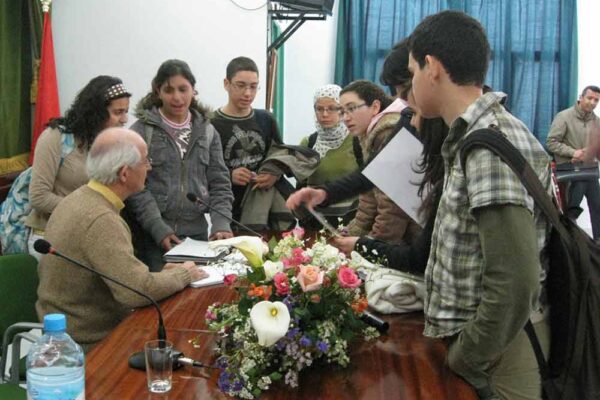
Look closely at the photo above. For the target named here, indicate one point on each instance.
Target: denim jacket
(162, 207)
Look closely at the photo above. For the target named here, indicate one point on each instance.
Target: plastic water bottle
(55, 364)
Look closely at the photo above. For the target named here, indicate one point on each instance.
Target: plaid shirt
(455, 268)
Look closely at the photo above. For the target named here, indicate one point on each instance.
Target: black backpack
(572, 284)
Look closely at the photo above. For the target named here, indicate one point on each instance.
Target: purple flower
(289, 302)
(305, 342)
(322, 346)
(238, 385)
(222, 363)
(223, 382)
(292, 333)
(280, 345)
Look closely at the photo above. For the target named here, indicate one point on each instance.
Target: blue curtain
(534, 47)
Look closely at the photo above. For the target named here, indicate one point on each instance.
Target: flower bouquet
(300, 306)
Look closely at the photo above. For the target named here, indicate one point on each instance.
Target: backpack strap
(264, 121)
(312, 139)
(358, 154)
(496, 142)
(67, 145)
(148, 132)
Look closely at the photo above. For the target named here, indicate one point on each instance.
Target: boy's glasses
(242, 87)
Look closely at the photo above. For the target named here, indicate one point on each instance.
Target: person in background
(86, 226)
(371, 116)
(340, 153)
(246, 133)
(567, 140)
(186, 158)
(60, 153)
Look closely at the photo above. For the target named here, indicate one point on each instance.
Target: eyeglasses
(242, 87)
(351, 109)
(330, 110)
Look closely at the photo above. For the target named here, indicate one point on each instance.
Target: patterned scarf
(329, 138)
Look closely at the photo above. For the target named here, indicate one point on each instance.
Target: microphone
(195, 199)
(137, 360)
(374, 321)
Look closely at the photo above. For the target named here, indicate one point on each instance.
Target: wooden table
(400, 365)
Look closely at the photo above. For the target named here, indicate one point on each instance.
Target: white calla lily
(252, 247)
(271, 268)
(270, 321)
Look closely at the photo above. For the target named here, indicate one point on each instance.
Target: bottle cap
(55, 322)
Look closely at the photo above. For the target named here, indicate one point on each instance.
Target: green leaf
(302, 313)
(256, 275)
(272, 243)
(275, 376)
(244, 305)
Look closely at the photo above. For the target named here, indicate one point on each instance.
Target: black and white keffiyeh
(329, 138)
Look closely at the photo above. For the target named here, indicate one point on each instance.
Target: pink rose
(229, 279)
(348, 278)
(310, 277)
(282, 284)
(298, 258)
(298, 233)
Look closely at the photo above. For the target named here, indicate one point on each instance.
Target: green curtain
(278, 105)
(15, 79)
(533, 42)
(342, 71)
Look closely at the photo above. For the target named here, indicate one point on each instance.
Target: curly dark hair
(166, 71)
(88, 113)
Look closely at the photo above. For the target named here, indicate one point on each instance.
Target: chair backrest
(18, 289)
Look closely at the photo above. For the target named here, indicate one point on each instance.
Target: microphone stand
(136, 360)
(195, 199)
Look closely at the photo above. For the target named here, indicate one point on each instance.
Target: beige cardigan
(88, 228)
(51, 181)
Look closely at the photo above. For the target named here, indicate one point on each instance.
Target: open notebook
(198, 251)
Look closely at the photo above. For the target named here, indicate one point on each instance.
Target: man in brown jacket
(568, 140)
(87, 227)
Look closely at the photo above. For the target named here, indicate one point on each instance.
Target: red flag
(47, 92)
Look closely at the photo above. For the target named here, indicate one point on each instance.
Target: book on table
(198, 251)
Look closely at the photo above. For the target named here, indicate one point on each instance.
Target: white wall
(131, 38)
(309, 63)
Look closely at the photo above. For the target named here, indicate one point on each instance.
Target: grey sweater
(162, 207)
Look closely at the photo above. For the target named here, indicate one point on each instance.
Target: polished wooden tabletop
(402, 364)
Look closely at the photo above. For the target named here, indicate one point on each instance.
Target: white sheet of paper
(392, 171)
(192, 248)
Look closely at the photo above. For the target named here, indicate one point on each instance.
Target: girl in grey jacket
(186, 157)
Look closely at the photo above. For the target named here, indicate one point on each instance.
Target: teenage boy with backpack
(484, 273)
(246, 133)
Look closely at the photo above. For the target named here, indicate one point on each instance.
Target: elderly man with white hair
(86, 226)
